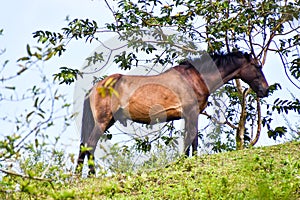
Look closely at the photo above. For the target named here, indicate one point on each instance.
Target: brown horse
(180, 92)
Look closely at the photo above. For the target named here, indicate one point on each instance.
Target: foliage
(67, 75)
(39, 173)
(129, 159)
(260, 173)
(108, 89)
(34, 114)
(286, 105)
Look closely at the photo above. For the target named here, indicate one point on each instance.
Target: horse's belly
(153, 103)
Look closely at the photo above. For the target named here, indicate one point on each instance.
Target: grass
(257, 173)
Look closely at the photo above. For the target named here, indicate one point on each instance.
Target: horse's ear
(248, 56)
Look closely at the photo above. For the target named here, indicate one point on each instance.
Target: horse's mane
(220, 59)
(224, 59)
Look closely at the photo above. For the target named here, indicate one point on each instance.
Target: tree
(263, 28)
(258, 27)
(34, 114)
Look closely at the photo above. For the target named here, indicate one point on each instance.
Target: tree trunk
(242, 122)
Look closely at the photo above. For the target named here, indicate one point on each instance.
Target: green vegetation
(34, 165)
(258, 173)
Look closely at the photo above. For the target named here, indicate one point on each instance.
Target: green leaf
(36, 102)
(28, 116)
(23, 59)
(278, 132)
(109, 136)
(28, 50)
(10, 87)
(49, 55)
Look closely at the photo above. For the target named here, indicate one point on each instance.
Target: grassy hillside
(258, 173)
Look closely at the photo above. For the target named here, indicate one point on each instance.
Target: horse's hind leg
(90, 156)
(87, 148)
(88, 125)
(80, 159)
(97, 132)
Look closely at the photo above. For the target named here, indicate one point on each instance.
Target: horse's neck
(216, 78)
(211, 76)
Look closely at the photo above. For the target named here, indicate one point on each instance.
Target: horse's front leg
(91, 164)
(195, 145)
(187, 151)
(191, 136)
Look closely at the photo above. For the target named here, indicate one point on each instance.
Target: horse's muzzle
(262, 92)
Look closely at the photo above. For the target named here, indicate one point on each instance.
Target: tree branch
(226, 32)
(286, 33)
(175, 45)
(258, 130)
(217, 121)
(285, 68)
(241, 127)
(113, 12)
(26, 176)
(264, 51)
(239, 86)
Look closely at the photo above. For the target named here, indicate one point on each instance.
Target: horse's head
(251, 73)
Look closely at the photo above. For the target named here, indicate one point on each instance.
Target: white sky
(20, 19)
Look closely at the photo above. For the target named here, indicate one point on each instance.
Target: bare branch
(113, 12)
(175, 45)
(21, 71)
(26, 176)
(288, 32)
(226, 32)
(239, 86)
(273, 33)
(217, 121)
(285, 69)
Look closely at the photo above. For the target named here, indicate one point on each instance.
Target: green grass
(258, 173)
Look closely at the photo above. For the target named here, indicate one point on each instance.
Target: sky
(20, 19)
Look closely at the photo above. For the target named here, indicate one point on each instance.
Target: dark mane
(224, 59)
(220, 59)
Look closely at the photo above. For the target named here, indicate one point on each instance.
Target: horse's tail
(87, 127)
(88, 122)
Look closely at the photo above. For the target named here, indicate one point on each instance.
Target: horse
(180, 92)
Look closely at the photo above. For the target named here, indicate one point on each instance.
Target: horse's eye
(258, 66)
